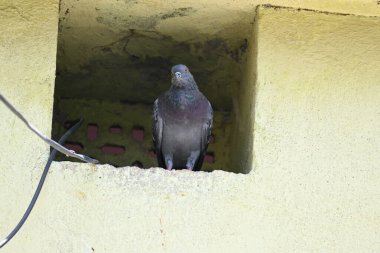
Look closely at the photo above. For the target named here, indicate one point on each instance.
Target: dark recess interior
(112, 81)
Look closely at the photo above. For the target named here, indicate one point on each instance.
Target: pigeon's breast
(181, 140)
(185, 109)
(183, 121)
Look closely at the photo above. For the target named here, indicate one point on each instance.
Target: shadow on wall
(136, 69)
(111, 76)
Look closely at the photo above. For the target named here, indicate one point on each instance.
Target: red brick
(113, 149)
(138, 134)
(209, 158)
(92, 132)
(73, 146)
(115, 130)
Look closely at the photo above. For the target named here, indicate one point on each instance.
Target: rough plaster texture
(315, 184)
(317, 127)
(318, 90)
(130, 45)
(28, 40)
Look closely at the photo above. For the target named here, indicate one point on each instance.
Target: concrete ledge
(129, 209)
(107, 209)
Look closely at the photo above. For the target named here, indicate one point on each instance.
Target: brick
(92, 132)
(115, 129)
(73, 146)
(138, 134)
(209, 157)
(109, 149)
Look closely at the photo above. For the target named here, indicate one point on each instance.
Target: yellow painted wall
(318, 91)
(316, 140)
(317, 128)
(28, 37)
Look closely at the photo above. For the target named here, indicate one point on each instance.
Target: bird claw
(191, 160)
(169, 165)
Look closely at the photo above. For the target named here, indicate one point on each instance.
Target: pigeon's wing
(157, 133)
(205, 138)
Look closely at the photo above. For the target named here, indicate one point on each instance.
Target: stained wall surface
(315, 128)
(28, 45)
(123, 50)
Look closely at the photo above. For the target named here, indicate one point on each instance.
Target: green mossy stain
(136, 68)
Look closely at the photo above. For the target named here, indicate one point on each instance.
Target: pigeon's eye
(177, 74)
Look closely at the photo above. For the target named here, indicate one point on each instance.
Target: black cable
(40, 184)
(49, 141)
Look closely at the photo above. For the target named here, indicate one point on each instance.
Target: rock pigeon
(182, 122)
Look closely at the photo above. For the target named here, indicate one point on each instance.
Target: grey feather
(182, 123)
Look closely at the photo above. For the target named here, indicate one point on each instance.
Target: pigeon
(182, 123)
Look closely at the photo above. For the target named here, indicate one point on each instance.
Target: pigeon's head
(181, 77)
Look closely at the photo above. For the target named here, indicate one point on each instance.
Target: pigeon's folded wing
(205, 138)
(157, 133)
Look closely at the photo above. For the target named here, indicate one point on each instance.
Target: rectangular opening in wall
(114, 60)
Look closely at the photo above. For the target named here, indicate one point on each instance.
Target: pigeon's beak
(177, 79)
(178, 75)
